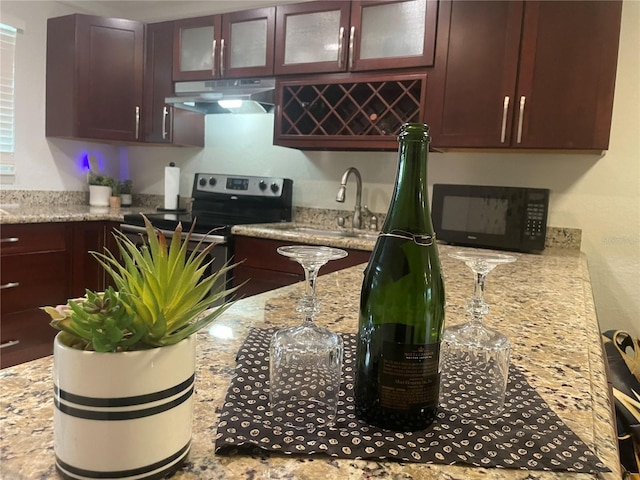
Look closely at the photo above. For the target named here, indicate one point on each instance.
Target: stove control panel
(239, 185)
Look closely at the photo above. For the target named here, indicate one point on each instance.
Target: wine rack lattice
(351, 109)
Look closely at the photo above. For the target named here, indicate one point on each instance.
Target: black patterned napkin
(528, 435)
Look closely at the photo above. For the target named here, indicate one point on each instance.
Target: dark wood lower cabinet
(44, 264)
(87, 273)
(264, 269)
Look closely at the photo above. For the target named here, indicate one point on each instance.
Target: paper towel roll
(171, 187)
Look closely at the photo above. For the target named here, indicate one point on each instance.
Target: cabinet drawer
(33, 280)
(25, 336)
(30, 237)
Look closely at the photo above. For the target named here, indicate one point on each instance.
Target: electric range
(219, 202)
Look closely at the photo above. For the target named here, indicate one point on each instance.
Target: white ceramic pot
(99, 195)
(122, 415)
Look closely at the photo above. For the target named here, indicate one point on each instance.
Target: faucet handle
(373, 220)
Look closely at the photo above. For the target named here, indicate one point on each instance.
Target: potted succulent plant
(100, 189)
(124, 360)
(125, 189)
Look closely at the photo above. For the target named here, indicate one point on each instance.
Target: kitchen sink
(321, 232)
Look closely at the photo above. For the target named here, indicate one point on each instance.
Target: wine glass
(474, 359)
(305, 367)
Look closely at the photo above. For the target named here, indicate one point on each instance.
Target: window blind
(7, 69)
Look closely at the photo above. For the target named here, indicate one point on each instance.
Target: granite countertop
(320, 229)
(24, 213)
(542, 302)
(312, 234)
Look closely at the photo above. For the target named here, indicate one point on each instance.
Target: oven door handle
(206, 238)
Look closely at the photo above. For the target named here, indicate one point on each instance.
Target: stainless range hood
(247, 95)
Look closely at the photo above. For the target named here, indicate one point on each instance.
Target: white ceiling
(150, 11)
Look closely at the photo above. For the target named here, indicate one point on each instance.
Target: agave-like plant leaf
(162, 284)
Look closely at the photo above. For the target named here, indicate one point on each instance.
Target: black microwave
(504, 218)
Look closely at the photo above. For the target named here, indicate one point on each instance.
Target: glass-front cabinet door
(335, 36)
(394, 34)
(195, 48)
(233, 45)
(247, 43)
(312, 37)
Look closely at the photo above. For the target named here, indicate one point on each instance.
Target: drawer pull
(165, 114)
(9, 240)
(10, 343)
(222, 58)
(340, 46)
(10, 285)
(213, 57)
(137, 122)
(505, 110)
(352, 34)
(523, 99)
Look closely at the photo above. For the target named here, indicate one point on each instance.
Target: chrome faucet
(357, 211)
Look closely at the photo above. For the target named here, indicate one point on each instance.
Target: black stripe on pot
(122, 401)
(121, 415)
(167, 466)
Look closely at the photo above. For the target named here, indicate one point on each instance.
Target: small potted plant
(124, 360)
(100, 189)
(125, 188)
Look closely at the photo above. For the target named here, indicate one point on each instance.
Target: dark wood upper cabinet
(524, 74)
(232, 45)
(338, 36)
(94, 78)
(162, 123)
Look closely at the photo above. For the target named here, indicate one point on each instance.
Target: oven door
(218, 256)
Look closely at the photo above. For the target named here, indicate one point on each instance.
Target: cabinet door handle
(505, 109)
(137, 122)
(165, 114)
(9, 285)
(523, 99)
(352, 35)
(213, 57)
(10, 343)
(9, 240)
(222, 57)
(340, 47)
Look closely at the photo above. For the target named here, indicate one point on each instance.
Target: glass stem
(478, 305)
(310, 276)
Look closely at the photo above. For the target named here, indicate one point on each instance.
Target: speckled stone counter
(556, 237)
(542, 302)
(65, 213)
(26, 206)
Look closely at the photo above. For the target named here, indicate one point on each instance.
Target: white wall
(41, 163)
(600, 195)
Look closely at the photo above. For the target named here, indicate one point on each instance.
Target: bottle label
(409, 375)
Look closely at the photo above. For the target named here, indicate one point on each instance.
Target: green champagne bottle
(402, 303)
